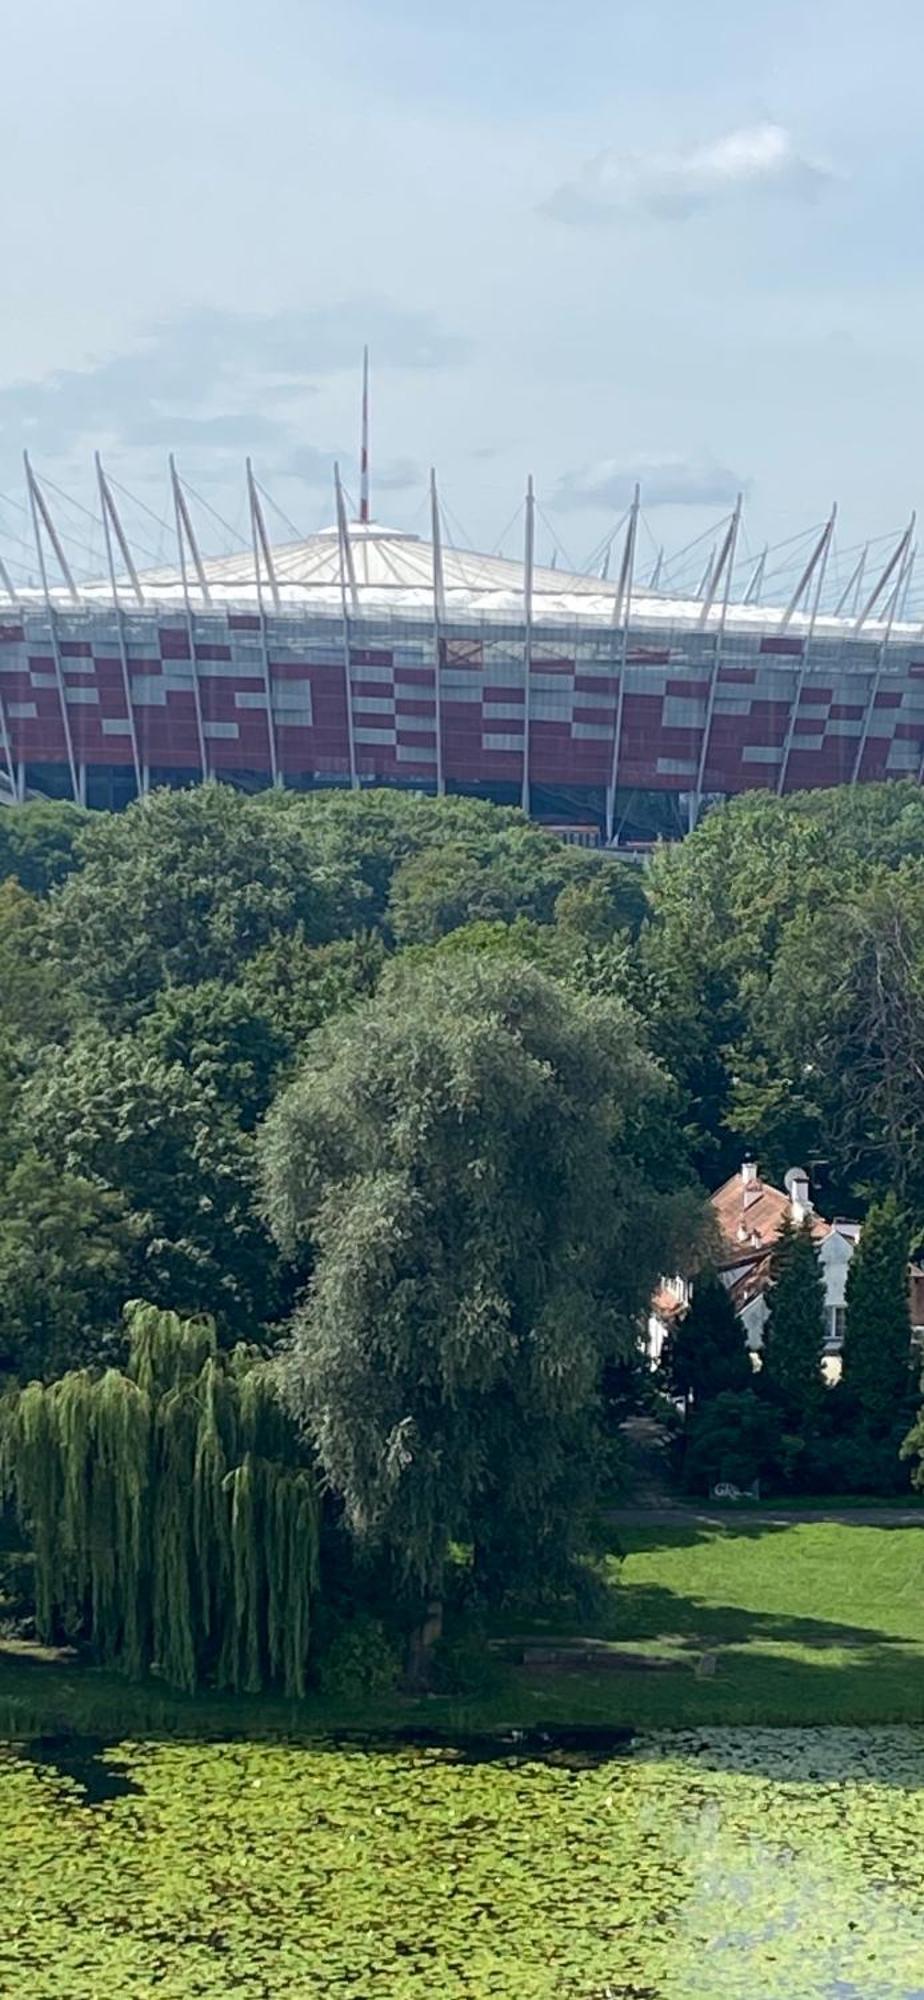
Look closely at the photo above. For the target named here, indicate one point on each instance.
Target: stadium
(363, 655)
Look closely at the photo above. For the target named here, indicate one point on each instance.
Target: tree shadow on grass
(655, 1613)
(696, 1530)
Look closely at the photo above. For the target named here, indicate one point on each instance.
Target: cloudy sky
(618, 239)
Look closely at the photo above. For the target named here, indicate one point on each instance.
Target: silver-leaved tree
(470, 1171)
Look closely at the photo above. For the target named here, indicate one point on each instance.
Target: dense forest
(383, 1115)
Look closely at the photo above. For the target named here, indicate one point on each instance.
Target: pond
(726, 1864)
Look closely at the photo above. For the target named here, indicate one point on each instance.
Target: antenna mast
(364, 446)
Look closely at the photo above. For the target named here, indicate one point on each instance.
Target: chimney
(748, 1172)
(796, 1184)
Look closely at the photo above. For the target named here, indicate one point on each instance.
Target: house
(749, 1213)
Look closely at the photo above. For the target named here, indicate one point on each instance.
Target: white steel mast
(724, 567)
(38, 509)
(438, 609)
(529, 552)
(622, 610)
(347, 579)
(258, 538)
(906, 546)
(825, 551)
(364, 447)
(110, 520)
(181, 517)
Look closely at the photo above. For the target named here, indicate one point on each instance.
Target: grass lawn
(809, 1623)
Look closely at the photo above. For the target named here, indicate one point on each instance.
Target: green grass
(813, 1623)
(835, 1503)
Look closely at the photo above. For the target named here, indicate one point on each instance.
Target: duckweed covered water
(722, 1865)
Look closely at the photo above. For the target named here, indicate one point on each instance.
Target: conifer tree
(877, 1336)
(706, 1354)
(795, 1332)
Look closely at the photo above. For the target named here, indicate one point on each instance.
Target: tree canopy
(795, 1331)
(173, 976)
(174, 1521)
(877, 1336)
(707, 1352)
(462, 1166)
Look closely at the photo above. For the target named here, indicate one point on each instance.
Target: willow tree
(173, 1517)
(468, 1165)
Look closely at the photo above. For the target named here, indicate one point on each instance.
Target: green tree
(369, 835)
(706, 1353)
(734, 1438)
(444, 887)
(599, 906)
(842, 1030)
(173, 1517)
(184, 887)
(226, 1043)
(297, 985)
(40, 843)
(67, 1252)
(463, 1160)
(795, 1331)
(108, 1111)
(510, 870)
(758, 873)
(35, 1004)
(876, 1360)
(913, 1448)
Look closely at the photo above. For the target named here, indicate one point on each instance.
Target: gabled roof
(750, 1214)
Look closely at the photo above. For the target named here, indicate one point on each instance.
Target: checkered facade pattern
(220, 692)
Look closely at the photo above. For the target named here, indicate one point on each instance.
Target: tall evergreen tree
(877, 1336)
(795, 1333)
(706, 1355)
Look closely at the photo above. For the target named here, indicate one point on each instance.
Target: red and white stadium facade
(364, 656)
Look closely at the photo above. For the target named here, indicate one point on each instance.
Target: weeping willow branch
(174, 1524)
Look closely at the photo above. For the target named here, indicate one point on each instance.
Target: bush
(463, 1664)
(359, 1658)
(735, 1438)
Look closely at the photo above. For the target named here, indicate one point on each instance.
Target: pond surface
(726, 1864)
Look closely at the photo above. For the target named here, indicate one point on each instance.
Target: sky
(622, 239)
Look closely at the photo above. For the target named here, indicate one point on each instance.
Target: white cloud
(754, 160)
(159, 390)
(665, 481)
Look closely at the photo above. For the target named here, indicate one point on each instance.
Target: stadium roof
(376, 572)
(381, 572)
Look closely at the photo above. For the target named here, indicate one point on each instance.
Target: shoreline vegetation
(747, 1623)
(344, 1145)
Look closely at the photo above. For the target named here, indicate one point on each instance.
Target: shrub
(360, 1658)
(463, 1664)
(734, 1438)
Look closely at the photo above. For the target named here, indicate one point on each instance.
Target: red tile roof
(750, 1215)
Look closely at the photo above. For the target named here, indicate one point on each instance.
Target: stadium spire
(364, 445)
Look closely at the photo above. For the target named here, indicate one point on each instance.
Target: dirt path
(646, 1444)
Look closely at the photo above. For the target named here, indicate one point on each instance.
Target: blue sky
(582, 241)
